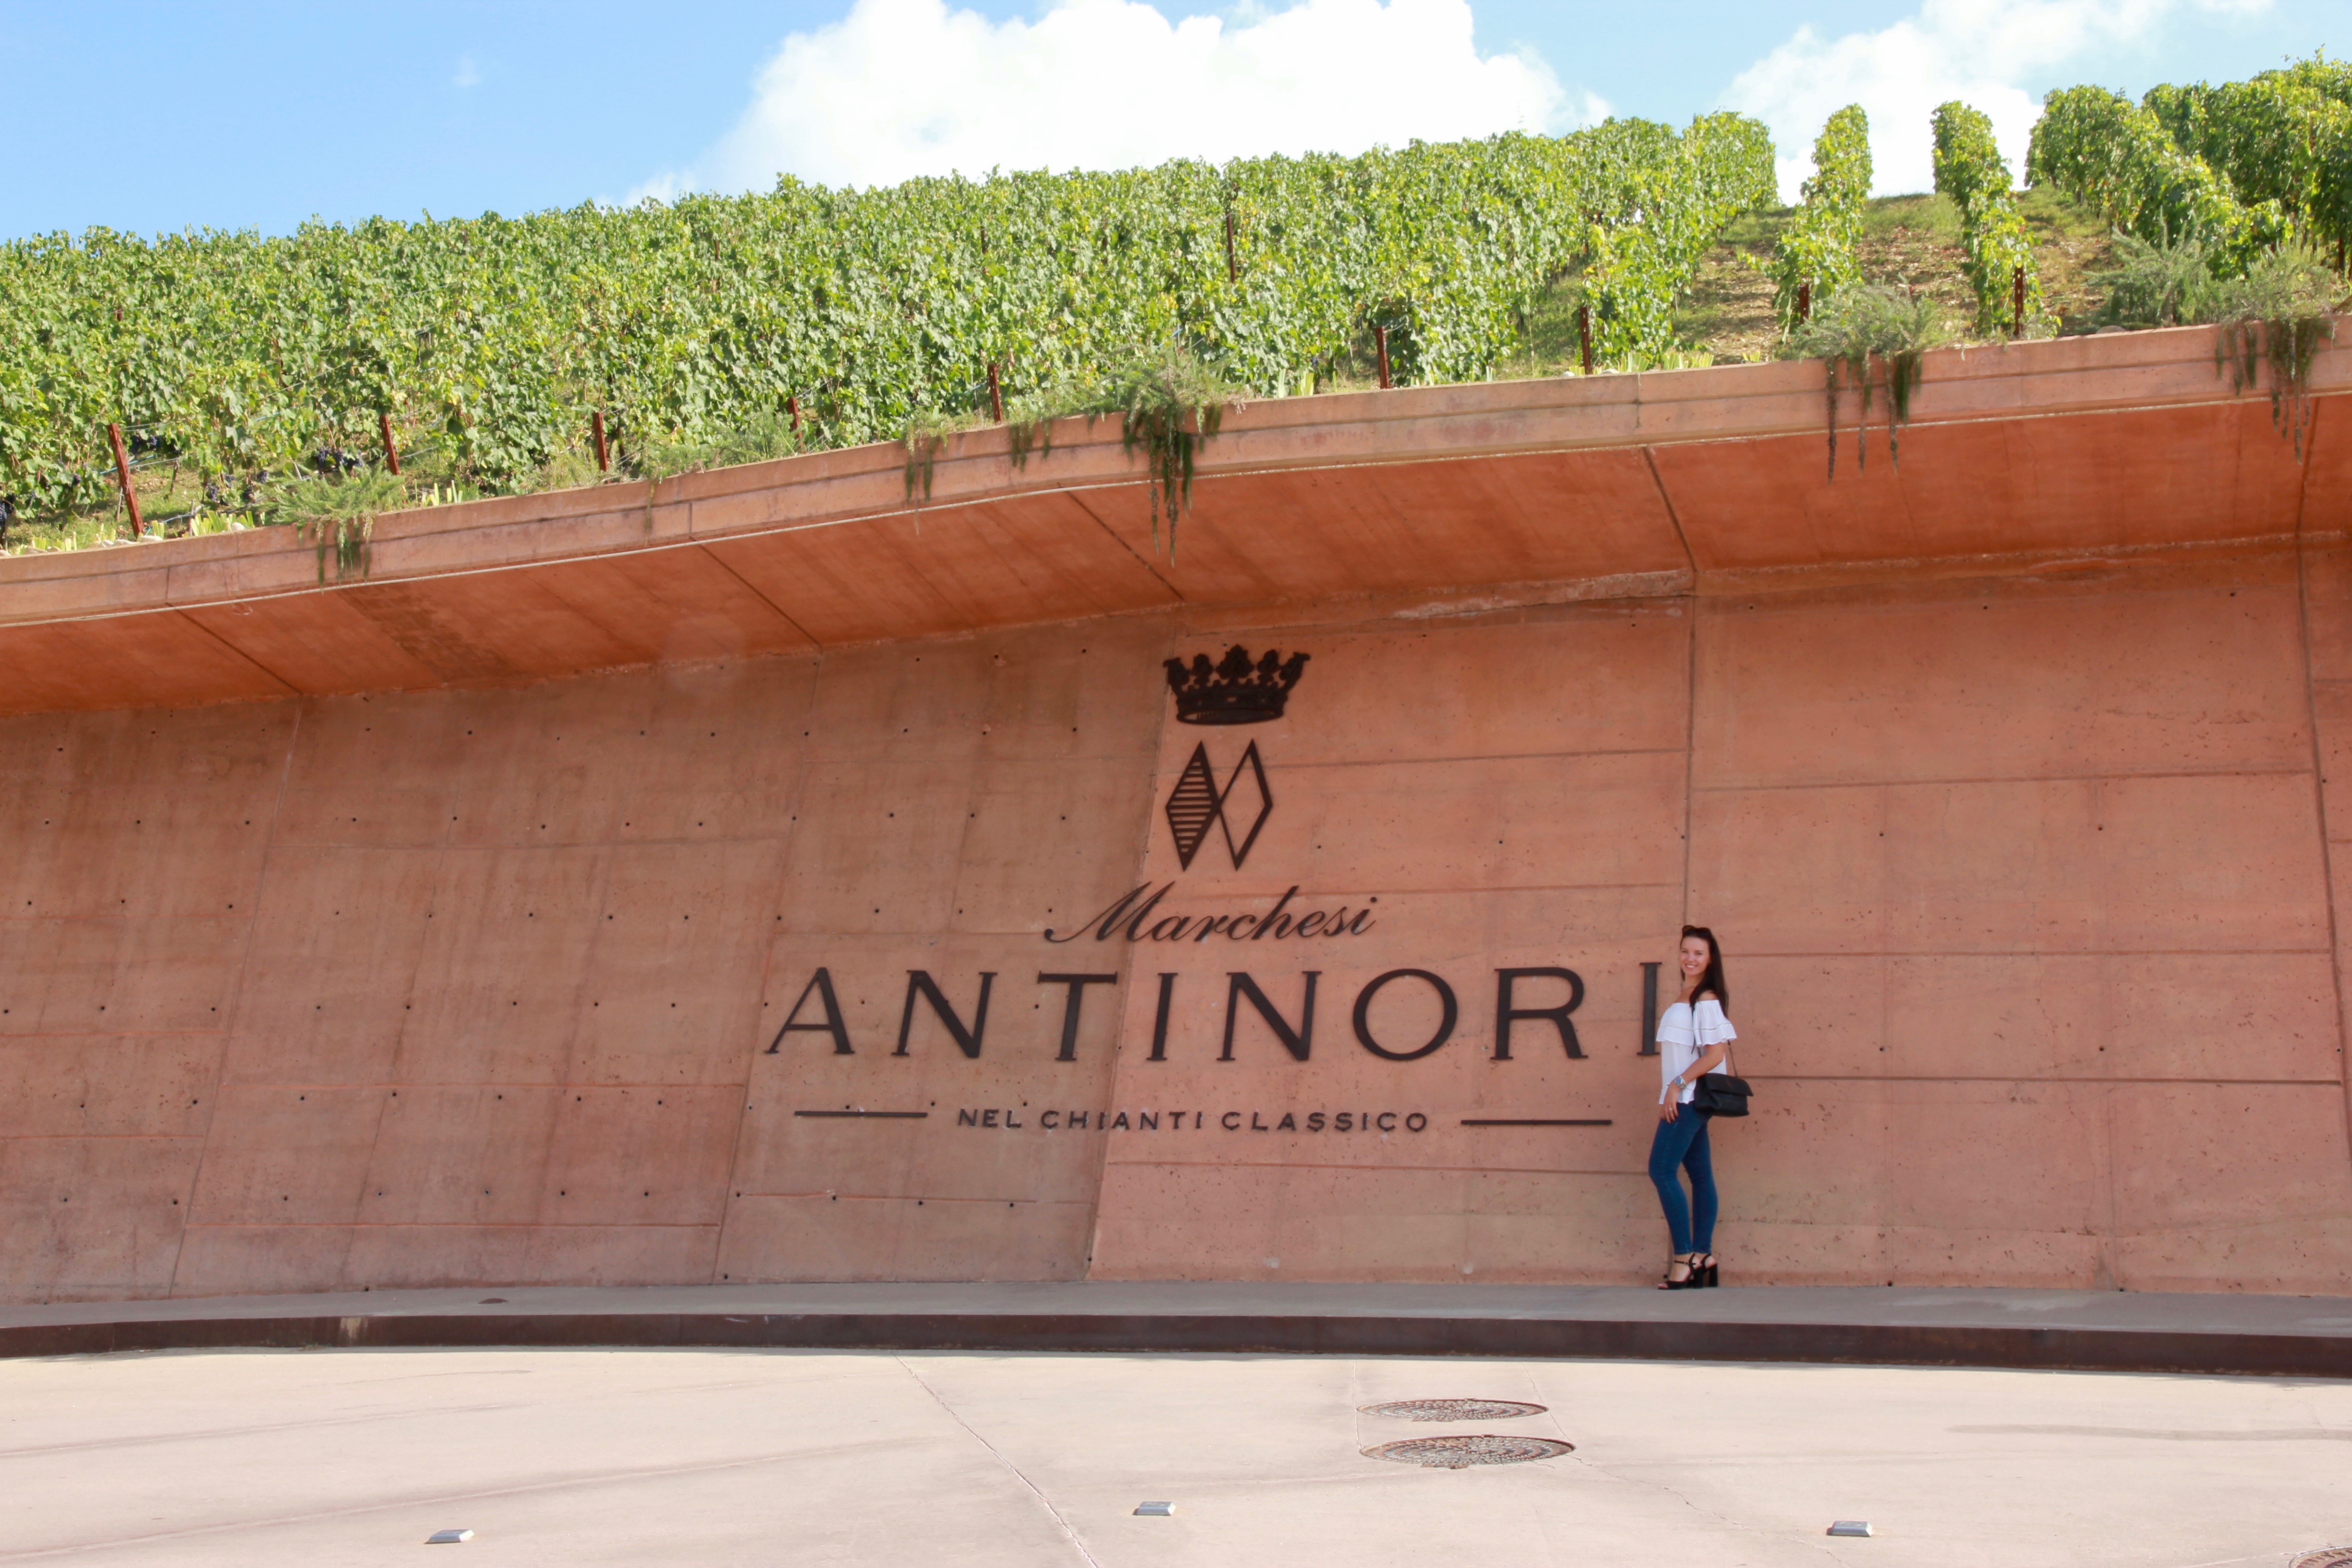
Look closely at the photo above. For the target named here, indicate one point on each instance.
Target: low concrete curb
(1877, 1344)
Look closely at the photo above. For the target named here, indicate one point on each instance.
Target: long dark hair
(1711, 981)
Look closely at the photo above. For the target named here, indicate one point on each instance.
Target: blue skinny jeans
(1681, 1143)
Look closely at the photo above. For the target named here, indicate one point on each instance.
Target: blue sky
(151, 117)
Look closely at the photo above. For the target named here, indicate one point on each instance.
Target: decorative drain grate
(1451, 1453)
(2330, 1557)
(1453, 1409)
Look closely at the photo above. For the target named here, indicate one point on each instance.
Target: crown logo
(1236, 690)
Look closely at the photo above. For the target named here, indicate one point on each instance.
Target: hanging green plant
(2278, 314)
(1866, 327)
(927, 432)
(2168, 281)
(1166, 403)
(337, 513)
(1167, 406)
(758, 436)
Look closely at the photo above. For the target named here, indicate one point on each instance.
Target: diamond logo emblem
(1199, 802)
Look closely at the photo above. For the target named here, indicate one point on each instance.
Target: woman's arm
(1706, 1012)
(1709, 1059)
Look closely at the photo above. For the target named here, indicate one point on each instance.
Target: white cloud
(1982, 52)
(469, 73)
(900, 87)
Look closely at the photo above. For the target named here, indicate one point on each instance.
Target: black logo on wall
(1197, 801)
(1237, 690)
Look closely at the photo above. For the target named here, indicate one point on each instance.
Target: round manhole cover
(1453, 1409)
(2329, 1557)
(1451, 1453)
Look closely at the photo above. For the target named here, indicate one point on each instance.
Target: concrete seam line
(2319, 755)
(521, 1490)
(1044, 1502)
(216, 1088)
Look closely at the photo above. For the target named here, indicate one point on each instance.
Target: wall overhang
(1627, 485)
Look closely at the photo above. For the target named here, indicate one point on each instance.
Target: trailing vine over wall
(1166, 407)
(337, 514)
(1867, 330)
(2277, 316)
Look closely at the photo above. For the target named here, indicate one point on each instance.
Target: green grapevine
(1816, 251)
(2114, 155)
(487, 341)
(1970, 170)
(2284, 136)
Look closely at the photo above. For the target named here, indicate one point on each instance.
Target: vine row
(849, 314)
(2000, 263)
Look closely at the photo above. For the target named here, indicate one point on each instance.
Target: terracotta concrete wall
(2023, 876)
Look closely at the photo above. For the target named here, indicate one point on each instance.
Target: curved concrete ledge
(2209, 1335)
(1680, 478)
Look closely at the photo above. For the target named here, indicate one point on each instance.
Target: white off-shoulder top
(1683, 1036)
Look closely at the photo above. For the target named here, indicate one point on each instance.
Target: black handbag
(1719, 1093)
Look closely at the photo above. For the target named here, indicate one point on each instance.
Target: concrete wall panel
(1584, 679)
(92, 1218)
(121, 1086)
(825, 1236)
(461, 1154)
(2171, 864)
(2175, 1016)
(539, 765)
(2024, 880)
(261, 1260)
(497, 990)
(641, 1156)
(334, 946)
(673, 967)
(1240, 1221)
(2198, 671)
(278, 1155)
(147, 812)
(101, 977)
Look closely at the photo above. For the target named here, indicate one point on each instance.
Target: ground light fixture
(1851, 1527)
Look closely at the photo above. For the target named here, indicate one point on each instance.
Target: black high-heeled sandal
(1690, 1281)
(1704, 1275)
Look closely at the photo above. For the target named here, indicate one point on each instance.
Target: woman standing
(1693, 1038)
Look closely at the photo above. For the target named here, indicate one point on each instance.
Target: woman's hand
(1666, 1111)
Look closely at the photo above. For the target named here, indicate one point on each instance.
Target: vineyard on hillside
(253, 377)
(489, 343)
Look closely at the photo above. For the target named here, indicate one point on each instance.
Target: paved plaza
(557, 1456)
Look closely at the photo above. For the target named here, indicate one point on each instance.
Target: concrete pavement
(557, 1457)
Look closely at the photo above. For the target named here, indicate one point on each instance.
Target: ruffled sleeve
(1708, 1025)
